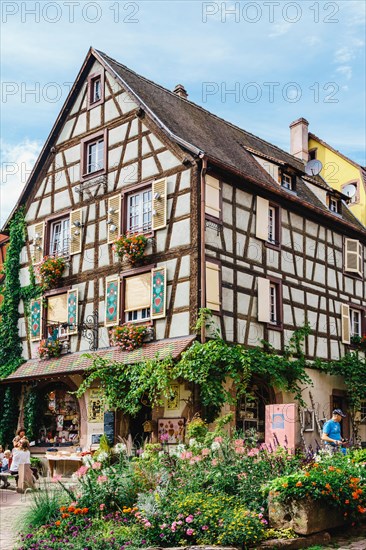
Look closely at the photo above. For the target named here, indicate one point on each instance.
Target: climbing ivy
(12, 292)
(35, 405)
(208, 365)
(9, 412)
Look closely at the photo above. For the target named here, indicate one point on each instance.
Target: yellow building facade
(339, 171)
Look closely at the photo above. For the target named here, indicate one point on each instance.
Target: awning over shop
(72, 363)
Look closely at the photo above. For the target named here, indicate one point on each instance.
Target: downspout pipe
(203, 239)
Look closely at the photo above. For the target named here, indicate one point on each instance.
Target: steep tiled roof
(77, 362)
(220, 140)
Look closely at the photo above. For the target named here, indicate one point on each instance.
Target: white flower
(87, 460)
(180, 448)
(144, 455)
(215, 445)
(120, 448)
(102, 456)
(192, 442)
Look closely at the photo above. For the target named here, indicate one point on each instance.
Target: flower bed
(208, 492)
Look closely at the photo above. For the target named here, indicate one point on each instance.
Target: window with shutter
(346, 327)
(353, 256)
(139, 211)
(38, 242)
(112, 301)
(36, 320)
(76, 224)
(213, 287)
(158, 294)
(159, 204)
(261, 221)
(213, 197)
(59, 237)
(137, 297)
(56, 316)
(113, 218)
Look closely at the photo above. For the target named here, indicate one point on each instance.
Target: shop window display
(61, 419)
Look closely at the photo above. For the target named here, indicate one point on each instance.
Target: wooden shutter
(38, 242)
(264, 309)
(76, 233)
(353, 256)
(346, 325)
(114, 218)
(212, 191)
(158, 293)
(261, 220)
(36, 320)
(112, 287)
(159, 204)
(138, 292)
(72, 311)
(213, 286)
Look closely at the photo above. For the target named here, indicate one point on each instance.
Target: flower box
(129, 337)
(131, 247)
(305, 516)
(50, 271)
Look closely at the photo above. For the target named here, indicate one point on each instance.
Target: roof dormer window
(334, 204)
(287, 181)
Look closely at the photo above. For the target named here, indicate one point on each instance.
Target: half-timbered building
(234, 224)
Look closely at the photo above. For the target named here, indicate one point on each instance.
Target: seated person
(5, 468)
(1, 453)
(21, 456)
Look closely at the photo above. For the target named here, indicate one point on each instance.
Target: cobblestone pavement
(353, 539)
(12, 505)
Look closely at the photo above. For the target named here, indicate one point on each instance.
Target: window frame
(313, 153)
(48, 222)
(65, 237)
(353, 274)
(331, 199)
(353, 311)
(140, 211)
(85, 144)
(277, 283)
(90, 91)
(126, 194)
(292, 179)
(277, 226)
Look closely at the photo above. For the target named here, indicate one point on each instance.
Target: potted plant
(359, 341)
(129, 336)
(50, 271)
(131, 246)
(49, 348)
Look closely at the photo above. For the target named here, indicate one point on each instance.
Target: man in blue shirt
(332, 431)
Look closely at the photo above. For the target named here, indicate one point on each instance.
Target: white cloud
(343, 55)
(16, 165)
(345, 70)
(312, 40)
(279, 29)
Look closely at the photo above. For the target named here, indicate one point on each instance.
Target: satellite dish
(313, 167)
(349, 190)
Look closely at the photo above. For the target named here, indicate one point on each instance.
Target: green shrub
(44, 508)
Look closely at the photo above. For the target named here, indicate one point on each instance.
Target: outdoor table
(56, 461)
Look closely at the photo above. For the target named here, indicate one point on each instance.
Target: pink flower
(205, 452)
(204, 527)
(189, 454)
(218, 439)
(56, 478)
(82, 471)
(253, 452)
(101, 506)
(102, 479)
(214, 462)
(97, 466)
(239, 442)
(239, 450)
(189, 518)
(147, 524)
(190, 532)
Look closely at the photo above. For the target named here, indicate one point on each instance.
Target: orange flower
(85, 510)
(361, 509)
(285, 485)
(327, 486)
(346, 501)
(58, 522)
(298, 484)
(306, 474)
(71, 509)
(313, 483)
(63, 508)
(355, 495)
(354, 479)
(65, 516)
(331, 468)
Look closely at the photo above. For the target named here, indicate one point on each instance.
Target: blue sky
(280, 60)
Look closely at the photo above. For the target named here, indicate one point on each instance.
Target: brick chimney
(181, 91)
(299, 139)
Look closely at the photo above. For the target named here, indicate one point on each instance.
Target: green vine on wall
(35, 405)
